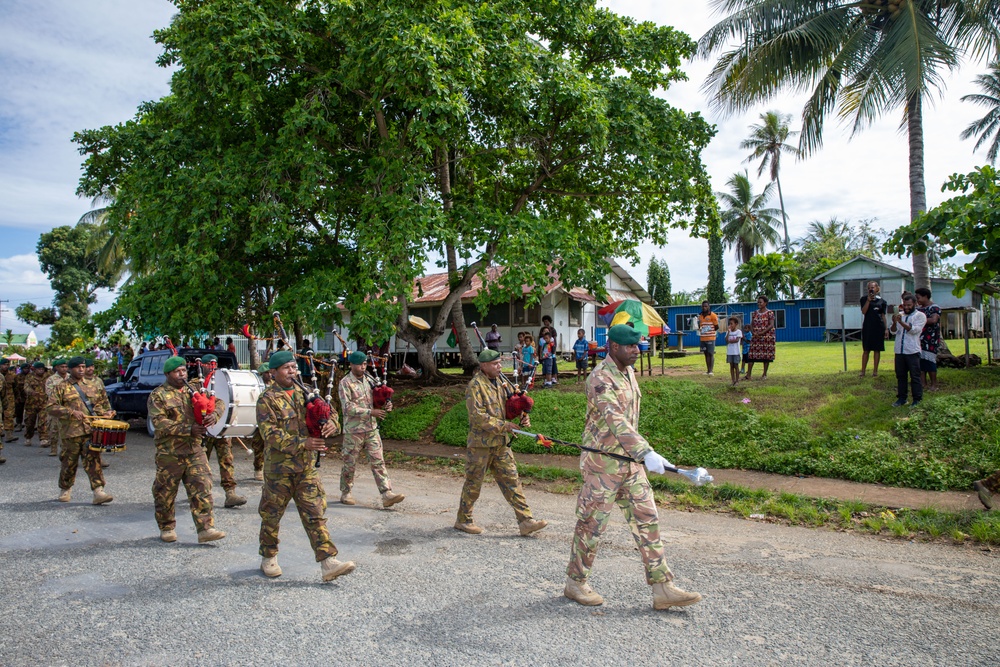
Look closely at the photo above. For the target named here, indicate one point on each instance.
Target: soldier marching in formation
(7, 398)
(25, 370)
(290, 472)
(488, 448)
(223, 449)
(61, 372)
(361, 432)
(34, 406)
(180, 457)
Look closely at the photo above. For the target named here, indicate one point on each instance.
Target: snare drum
(108, 435)
(238, 390)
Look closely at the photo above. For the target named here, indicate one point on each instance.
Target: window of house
(522, 315)
(853, 289)
(575, 312)
(779, 319)
(812, 318)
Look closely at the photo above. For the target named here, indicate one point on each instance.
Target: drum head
(238, 390)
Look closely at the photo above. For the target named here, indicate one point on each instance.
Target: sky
(67, 65)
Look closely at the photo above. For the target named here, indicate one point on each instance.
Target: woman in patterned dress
(762, 324)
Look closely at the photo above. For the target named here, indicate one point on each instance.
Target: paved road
(87, 585)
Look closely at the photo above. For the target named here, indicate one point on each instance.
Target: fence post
(843, 339)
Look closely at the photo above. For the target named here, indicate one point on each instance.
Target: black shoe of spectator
(899, 404)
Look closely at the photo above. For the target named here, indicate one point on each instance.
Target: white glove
(656, 463)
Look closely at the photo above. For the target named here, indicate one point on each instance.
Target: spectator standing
(747, 337)
(581, 350)
(545, 352)
(142, 348)
(493, 338)
(708, 327)
(873, 308)
(547, 327)
(762, 326)
(304, 369)
(907, 326)
(528, 360)
(230, 346)
(930, 337)
(733, 338)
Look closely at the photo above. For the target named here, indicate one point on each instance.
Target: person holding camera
(907, 324)
(873, 308)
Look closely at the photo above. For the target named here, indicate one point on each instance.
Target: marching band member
(488, 448)
(224, 453)
(180, 456)
(290, 472)
(612, 426)
(59, 374)
(72, 402)
(361, 432)
(34, 406)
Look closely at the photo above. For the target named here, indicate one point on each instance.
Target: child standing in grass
(528, 360)
(747, 336)
(581, 348)
(548, 360)
(733, 338)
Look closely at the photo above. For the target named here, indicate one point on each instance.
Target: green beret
(73, 362)
(173, 363)
(357, 357)
(25, 364)
(88, 362)
(4, 360)
(279, 359)
(263, 368)
(38, 364)
(58, 362)
(209, 359)
(623, 334)
(488, 355)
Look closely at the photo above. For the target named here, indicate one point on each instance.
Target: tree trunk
(428, 364)
(918, 193)
(784, 218)
(469, 360)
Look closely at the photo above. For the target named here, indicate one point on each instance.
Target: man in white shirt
(906, 326)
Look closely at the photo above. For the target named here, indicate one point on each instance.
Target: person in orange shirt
(708, 327)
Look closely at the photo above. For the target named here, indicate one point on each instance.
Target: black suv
(145, 373)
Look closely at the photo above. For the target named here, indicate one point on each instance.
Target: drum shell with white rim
(238, 390)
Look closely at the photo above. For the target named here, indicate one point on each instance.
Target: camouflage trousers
(307, 491)
(55, 432)
(607, 482)
(992, 483)
(257, 445)
(193, 471)
(18, 412)
(8, 413)
(36, 418)
(224, 453)
(73, 450)
(371, 443)
(499, 461)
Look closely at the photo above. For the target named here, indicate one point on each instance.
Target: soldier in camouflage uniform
(223, 449)
(73, 400)
(7, 398)
(2, 383)
(361, 432)
(57, 378)
(34, 405)
(986, 487)
(290, 472)
(179, 454)
(612, 426)
(19, 396)
(488, 448)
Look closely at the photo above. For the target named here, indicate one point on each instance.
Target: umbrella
(16, 357)
(645, 320)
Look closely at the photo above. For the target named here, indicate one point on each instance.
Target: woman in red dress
(762, 324)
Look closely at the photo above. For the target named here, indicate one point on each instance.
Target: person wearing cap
(256, 441)
(361, 432)
(222, 447)
(7, 398)
(488, 448)
(72, 402)
(34, 406)
(180, 457)
(24, 372)
(290, 470)
(59, 375)
(612, 425)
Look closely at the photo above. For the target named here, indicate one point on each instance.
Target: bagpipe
(381, 391)
(203, 399)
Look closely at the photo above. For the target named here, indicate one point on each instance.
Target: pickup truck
(145, 373)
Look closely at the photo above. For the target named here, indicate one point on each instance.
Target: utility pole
(2, 301)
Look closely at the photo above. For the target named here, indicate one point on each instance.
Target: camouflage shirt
(613, 412)
(356, 401)
(281, 420)
(9, 379)
(51, 382)
(485, 401)
(172, 416)
(19, 385)
(34, 392)
(66, 399)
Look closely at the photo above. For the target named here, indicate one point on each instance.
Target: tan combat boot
(667, 595)
(64, 495)
(258, 475)
(53, 451)
(333, 568)
(210, 535)
(470, 528)
(389, 498)
(233, 499)
(168, 535)
(100, 497)
(580, 591)
(529, 526)
(2, 460)
(347, 499)
(270, 567)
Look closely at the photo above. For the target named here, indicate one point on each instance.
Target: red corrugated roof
(433, 288)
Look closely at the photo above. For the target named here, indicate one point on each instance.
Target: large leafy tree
(322, 149)
(968, 223)
(658, 281)
(748, 224)
(827, 244)
(987, 127)
(862, 59)
(767, 143)
(772, 274)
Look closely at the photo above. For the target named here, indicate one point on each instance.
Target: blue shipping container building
(797, 319)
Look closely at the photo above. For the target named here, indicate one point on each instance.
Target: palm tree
(104, 240)
(747, 223)
(988, 125)
(833, 230)
(767, 143)
(865, 58)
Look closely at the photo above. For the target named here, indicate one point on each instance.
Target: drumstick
(237, 439)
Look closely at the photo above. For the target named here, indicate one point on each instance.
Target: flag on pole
(453, 337)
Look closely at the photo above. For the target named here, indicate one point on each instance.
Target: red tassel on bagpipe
(203, 405)
(518, 404)
(317, 413)
(381, 395)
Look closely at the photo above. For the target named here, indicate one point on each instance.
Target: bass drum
(238, 391)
